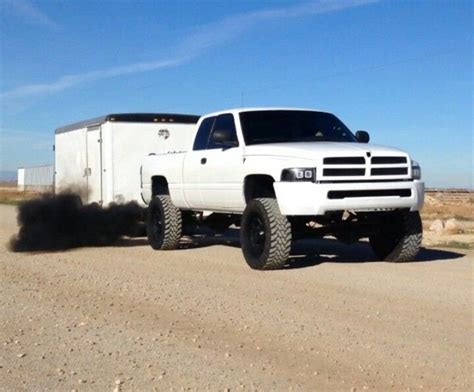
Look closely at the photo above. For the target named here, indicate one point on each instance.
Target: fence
(451, 195)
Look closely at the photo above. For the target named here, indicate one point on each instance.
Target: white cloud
(68, 81)
(30, 13)
(203, 38)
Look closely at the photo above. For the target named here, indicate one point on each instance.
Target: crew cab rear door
(192, 164)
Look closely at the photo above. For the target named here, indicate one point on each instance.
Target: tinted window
(202, 136)
(223, 122)
(281, 126)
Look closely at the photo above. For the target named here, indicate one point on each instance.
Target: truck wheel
(265, 235)
(163, 223)
(400, 239)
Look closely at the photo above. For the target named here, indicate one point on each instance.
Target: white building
(37, 178)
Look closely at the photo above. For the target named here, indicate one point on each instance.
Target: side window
(202, 135)
(224, 122)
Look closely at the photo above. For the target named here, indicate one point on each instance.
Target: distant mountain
(7, 175)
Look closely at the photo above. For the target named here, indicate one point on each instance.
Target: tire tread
(172, 222)
(409, 242)
(280, 236)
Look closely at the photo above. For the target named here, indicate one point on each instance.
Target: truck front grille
(369, 193)
(389, 171)
(347, 168)
(388, 160)
(343, 172)
(344, 161)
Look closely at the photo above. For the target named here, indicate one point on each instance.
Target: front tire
(265, 235)
(163, 223)
(399, 240)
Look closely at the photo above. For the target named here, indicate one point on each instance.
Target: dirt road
(130, 318)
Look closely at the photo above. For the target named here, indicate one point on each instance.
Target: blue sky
(400, 69)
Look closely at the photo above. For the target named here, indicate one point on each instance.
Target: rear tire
(163, 223)
(399, 240)
(265, 235)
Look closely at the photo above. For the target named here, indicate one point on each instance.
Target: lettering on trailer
(164, 133)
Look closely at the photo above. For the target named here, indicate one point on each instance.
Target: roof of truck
(236, 111)
(132, 117)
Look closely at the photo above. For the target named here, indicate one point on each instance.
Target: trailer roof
(132, 117)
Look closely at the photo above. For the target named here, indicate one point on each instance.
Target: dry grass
(460, 211)
(10, 195)
(463, 218)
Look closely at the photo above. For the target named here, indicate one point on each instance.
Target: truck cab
(302, 167)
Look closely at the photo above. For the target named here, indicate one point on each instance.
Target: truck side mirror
(225, 137)
(362, 136)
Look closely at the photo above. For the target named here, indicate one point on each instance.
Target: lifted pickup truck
(283, 174)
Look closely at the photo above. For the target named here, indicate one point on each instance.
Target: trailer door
(94, 165)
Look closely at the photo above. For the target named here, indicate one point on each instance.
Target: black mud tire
(163, 223)
(265, 235)
(399, 240)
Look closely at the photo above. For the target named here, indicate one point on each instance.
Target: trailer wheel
(399, 240)
(163, 223)
(265, 235)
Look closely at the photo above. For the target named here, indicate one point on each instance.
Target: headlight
(415, 170)
(299, 174)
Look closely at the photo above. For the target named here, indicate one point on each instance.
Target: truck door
(93, 171)
(221, 169)
(192, 165)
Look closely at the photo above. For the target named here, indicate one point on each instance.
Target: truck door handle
(203, 161)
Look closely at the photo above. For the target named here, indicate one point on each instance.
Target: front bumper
(308, 198)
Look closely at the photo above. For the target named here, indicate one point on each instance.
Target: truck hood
(312, 150)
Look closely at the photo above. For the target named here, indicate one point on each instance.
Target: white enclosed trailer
(101, 157)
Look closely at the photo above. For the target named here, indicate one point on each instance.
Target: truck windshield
(288, 126)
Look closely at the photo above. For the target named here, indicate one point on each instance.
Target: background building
(37, 178)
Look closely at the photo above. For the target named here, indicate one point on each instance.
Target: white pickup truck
(281, 174)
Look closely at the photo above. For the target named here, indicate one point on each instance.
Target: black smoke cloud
(59, 222)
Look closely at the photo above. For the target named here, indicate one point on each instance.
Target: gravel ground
(129, 318)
